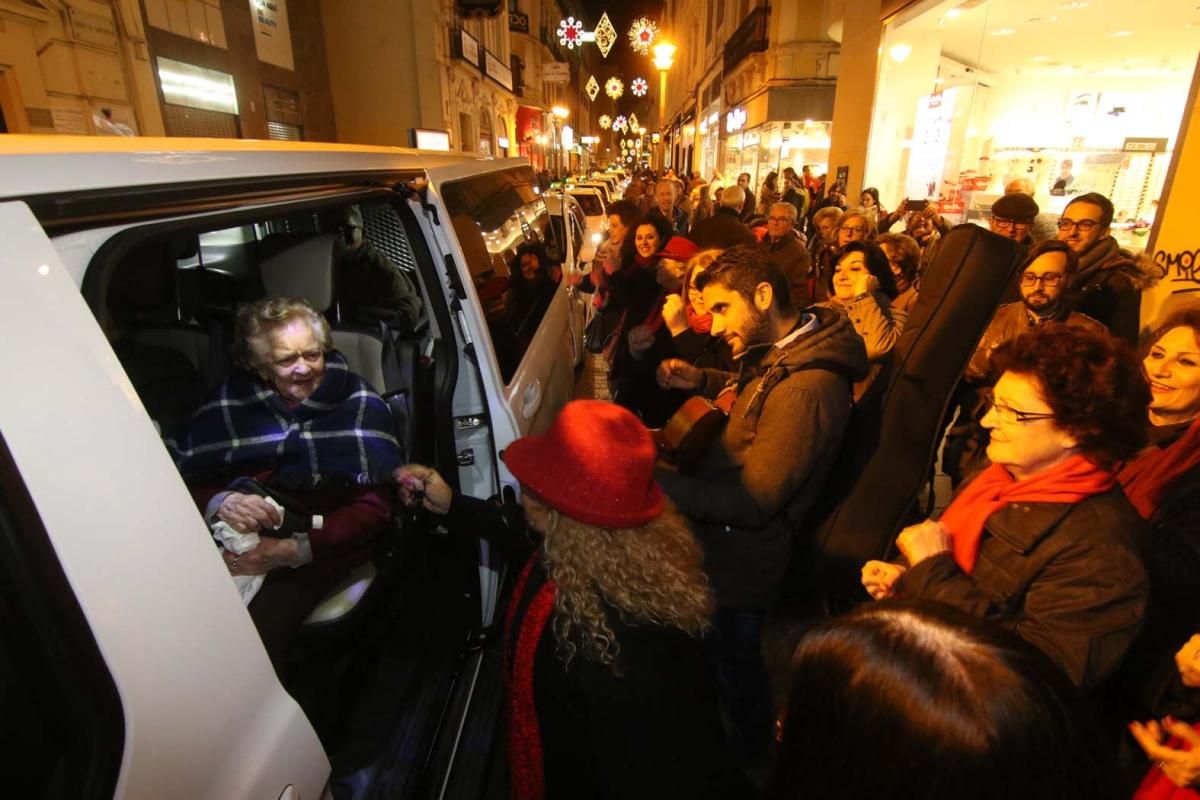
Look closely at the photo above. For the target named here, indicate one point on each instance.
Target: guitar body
(688, 433)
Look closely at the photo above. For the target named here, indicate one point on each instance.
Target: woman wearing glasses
(1043, 541)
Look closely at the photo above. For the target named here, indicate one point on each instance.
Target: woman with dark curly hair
(1043, 541)
(608, 694)
(863, 287)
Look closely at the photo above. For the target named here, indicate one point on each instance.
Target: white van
(128, 664)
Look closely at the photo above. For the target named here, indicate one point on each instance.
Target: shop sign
(272, 36)
(1140, 145)
(424, 139)
(518, 22)
(468, 47)
(735, 119)
(93, 28)
(196, 87)
(497, 70)
(556, 72)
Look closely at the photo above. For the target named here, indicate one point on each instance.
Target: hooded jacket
(755, 483)
(1109, 285)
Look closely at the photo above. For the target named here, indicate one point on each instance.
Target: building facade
(751, 89)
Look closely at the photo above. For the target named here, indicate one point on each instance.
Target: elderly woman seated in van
(291, 422)
(1043, 541)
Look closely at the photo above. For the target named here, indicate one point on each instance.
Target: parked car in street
(128, 663)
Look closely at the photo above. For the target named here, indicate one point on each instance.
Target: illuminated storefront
(971, 96)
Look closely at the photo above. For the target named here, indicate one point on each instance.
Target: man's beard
(1041, 304)
(757, 330)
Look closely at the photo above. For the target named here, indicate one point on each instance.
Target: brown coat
(1011, 321)
(790, 255)
(1067, 578)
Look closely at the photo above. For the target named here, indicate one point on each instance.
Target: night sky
(622, 61)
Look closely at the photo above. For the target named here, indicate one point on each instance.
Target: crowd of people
(1039, 638)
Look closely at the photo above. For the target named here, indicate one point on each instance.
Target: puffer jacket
(1108, 286)
(1067, 578)
(756, 482)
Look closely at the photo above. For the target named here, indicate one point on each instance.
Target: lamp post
(560, 115)
(664, 57)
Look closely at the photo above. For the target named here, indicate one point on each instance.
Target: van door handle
(532, 399)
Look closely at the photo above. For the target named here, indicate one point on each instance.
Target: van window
(590, 203)
(61, 726)
(513, 253)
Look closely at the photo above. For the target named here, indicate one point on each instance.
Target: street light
(664, 57)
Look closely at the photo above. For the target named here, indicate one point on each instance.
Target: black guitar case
(889, 447)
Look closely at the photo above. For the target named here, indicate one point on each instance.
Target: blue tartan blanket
(340, 435)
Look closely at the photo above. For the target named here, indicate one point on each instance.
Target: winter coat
(1108, 287)
(1012, 320)
(653, 731)
(755, 483)
(874, 319)
(1067, 578)
(790, 255)
(371, 288)
(723, 229)
(678, 223)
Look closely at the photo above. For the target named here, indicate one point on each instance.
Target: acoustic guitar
(690, 430)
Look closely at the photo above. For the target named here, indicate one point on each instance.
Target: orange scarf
(1073, 480)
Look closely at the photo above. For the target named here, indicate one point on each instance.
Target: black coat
(652, 732)
(1067, 578)
(723, 229)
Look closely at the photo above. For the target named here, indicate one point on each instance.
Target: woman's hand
(864, 283)
(270, 554)
(423, 486)
(675, 373)
(248, 513)
(879, 578)
(640, 339)
(923, 540)
(1188, 662)
(1182, 767)
(674, 314)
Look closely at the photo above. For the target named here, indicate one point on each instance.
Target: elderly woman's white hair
(255, 321)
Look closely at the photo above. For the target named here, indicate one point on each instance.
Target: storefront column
(862, 31)
(1174, 241)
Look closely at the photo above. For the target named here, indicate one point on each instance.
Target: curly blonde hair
(651, 575)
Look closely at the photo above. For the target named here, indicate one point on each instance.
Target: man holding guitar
(752, 486)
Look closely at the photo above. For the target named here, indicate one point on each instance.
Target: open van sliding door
(203, 713)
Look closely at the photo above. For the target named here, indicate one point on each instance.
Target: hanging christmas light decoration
(592, 88)
(570, 33)
(605, 35)
(642, 34)
(614, 88)
(605, 121)
(620, 124)
(633, 123)
(639, 87)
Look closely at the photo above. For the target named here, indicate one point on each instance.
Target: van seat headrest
(304, 270)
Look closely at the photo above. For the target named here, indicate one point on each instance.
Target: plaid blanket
(340, 435)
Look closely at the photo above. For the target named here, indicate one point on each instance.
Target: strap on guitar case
(889, 447)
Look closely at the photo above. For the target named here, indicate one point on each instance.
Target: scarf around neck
(1149, 476)
(1071, 481)
(700, 323)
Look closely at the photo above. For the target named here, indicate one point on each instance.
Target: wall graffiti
(1181, 268)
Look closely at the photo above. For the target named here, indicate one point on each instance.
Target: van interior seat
(305, 268)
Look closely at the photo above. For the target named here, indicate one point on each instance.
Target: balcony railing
(750, 37)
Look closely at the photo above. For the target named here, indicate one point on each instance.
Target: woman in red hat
(608, 694)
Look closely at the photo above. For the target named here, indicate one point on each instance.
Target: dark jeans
(734, 647)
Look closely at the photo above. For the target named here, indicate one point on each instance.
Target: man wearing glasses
(786, 248)
(1013, 216)
(1109, 282)
(1043, 283)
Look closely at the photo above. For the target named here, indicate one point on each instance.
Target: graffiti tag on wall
(1181, 268)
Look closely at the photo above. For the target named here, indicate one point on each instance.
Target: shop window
(971, 97)
(200, 20)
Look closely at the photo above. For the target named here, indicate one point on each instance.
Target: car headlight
(596, 238)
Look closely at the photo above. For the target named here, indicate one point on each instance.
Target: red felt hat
(595, 464)
(679, 248)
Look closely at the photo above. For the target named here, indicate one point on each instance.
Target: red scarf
(1149, 476)
(700, 323)
(527, 773)
(1157, 786)
(1073, 480)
